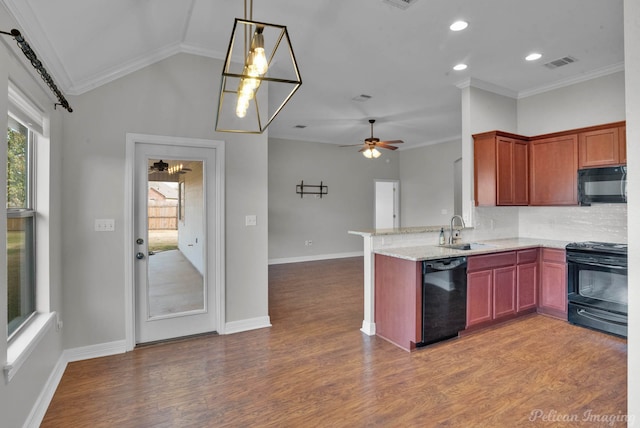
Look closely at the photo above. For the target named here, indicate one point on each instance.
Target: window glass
(21, 289)
(17, 166)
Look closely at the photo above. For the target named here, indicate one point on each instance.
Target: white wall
(593, 102)
(349, 204)
(632, 90)
(491, 111)
(175, 97)
(18, 397)
(427, 184)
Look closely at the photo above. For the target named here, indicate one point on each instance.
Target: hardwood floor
(315, 368)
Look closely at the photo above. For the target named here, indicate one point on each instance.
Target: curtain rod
(37, 64)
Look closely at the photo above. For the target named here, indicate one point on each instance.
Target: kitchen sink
(468, 246)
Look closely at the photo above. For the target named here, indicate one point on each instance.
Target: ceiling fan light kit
(370, 153)
(258, 52)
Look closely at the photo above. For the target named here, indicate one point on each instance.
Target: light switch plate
(105, 225)
(250, 220)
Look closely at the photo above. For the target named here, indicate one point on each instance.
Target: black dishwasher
(444, 299)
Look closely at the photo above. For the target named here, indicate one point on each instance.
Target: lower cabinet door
(527, 287)
(504, 291)
(479, 302)
(553, 287)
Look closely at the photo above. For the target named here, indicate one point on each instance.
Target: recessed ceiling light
(533, 56)
(460, 67)
(458, 25)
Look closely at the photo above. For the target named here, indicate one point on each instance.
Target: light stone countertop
(432, 252)
(401, 230)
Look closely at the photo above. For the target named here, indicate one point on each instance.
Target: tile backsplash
(601, 222)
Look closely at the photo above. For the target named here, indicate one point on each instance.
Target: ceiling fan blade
(363, 149)
(392, 142)
(351, 145)
(385, 146)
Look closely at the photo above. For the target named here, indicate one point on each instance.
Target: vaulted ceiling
(401, 58)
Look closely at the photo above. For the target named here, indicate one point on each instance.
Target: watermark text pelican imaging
(588, 416)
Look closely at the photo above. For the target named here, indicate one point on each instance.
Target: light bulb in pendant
(258, 57)
(260, 61)
(242, 106)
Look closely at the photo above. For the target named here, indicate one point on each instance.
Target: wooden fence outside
(163, 215)
(15, 224)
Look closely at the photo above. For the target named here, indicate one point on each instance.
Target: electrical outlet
(250, 220)
(308, 243)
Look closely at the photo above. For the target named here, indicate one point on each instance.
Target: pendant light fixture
(259, 53)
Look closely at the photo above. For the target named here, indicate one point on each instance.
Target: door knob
(140, 256)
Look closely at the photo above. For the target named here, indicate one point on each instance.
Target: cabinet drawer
(553, 255)
(527, 256)
(490, 261)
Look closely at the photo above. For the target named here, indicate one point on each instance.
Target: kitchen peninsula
(411, 246)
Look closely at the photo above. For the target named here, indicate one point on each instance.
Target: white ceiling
(403, 59)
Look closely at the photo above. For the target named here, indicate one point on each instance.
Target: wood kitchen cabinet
(501, 169)
(553, 165)
(512, 169)
(398, 300)
(622, 134)
(528, 277)
(553, 283)
(479, 294)
(602, 147)
(491, 287)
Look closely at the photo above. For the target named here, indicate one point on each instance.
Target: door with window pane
(174, 243)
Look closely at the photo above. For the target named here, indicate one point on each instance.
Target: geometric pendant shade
(260, 71)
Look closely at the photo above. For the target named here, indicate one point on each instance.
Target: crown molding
(601, 72)
(486, 86)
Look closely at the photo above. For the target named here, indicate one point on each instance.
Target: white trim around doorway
(129, 238)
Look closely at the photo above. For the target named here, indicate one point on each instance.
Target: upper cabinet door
(599, 148)
(504, 166)
(520, 172)
(554, 171)
(500, 170)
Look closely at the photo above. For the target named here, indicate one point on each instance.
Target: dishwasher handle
(444, 264)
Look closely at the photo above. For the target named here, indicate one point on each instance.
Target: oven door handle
(598, 265)
(586, 314)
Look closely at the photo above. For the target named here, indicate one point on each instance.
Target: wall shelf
(311, 189)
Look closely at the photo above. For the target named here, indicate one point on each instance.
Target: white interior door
(175, 239)
(387, 200)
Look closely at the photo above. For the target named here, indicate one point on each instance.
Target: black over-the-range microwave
(602, 185)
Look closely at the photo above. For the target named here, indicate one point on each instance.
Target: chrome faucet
(451, 239)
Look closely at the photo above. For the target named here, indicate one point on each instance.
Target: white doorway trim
(129, 216)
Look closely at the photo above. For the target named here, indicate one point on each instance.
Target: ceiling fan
(369, 147)
(162, 166)
(159, 166)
